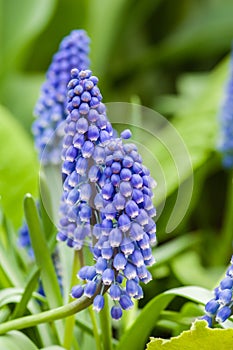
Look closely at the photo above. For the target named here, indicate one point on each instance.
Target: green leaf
(4, 314)
(136, 336)
(43, 257)
(42, 253)
(19, 166)
(16, 341)
(21, 21)
(105, 325)
(13, 262)
(51, 190)
(200, 336)
(9, 295)
(5, 282)
(84, 326)
(11, 269)
(29, 289)
(14, 295)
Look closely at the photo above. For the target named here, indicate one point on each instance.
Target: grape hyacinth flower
(106, 201)
(226, 122)
(50, 109)
(219, 308)
(87, 130)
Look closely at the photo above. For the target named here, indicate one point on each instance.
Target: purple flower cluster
(219, 309)
(50, 109)
(226, 122)
(107, 200)
(124, 231)
(87, 129)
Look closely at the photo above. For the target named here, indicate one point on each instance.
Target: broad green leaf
(200, 336)
(136, 336)
(18, 166)
(196, 294)
(16, 341)
(21, 21)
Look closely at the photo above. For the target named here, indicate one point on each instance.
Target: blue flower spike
(219, 308)
(50, 110)
(226, 122)
(106, 202)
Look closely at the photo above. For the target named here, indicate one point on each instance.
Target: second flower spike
(50, 110)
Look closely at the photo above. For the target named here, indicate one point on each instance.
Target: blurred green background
(171, 57)
(137, 47)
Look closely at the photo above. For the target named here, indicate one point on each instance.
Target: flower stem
(105, 324)
(70, 321)
(48, 316)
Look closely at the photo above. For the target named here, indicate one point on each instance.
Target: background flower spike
(50, 109)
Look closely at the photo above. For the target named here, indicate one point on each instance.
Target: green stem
(48, 316)
(95, 329)
(70, 321)
(225, 246)
(105, 324)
